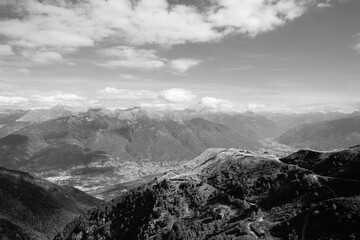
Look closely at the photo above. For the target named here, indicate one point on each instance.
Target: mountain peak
(41, 115)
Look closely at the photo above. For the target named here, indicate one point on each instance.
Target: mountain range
(133, 135)
(177, 175)
(98, 148)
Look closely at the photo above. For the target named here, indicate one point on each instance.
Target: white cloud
(357, 46)
(254, 16)
(23, 70)
(110, 90)
(175, 98)
(217, 104)
(323, 5)
(163, 106)
(183, 64)
(174, 95)
(177, 95)
(130, 57)
(142, 59)
(60, 27)
(129, 76)
(43, 57)
(156, 22)
(5, 100)
(59, 98)
(127, 94)
(5, 50)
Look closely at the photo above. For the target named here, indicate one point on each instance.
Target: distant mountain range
(325, 135)
(236, 194)
(131, 135)
(251, 125)
(35, 209)
(205, 187)
(100, 146)
(287, 121)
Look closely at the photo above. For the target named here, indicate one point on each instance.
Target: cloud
(254, 16)
(323, 5)
(70, 99)
(127, 94)
(5, 50)
(174, 98)
(156, 22)
(142, 59)
(163, 106)
(183, 64)
(29, 99)
(5, 100)
(23, 70)
(43, 57)
(129, 76)
(174, 95)
(217, 104)
(130, 57)
(61, 27)
(177, 95)
(357, 46)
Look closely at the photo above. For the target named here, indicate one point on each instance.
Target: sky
(221, 55)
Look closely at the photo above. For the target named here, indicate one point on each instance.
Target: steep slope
(325, 135)
(228, 194)
(33, 208)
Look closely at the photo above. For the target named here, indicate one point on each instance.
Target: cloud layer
(45, 31)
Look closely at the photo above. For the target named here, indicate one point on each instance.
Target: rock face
(326, 135)
(33, 208)
(230, 194)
